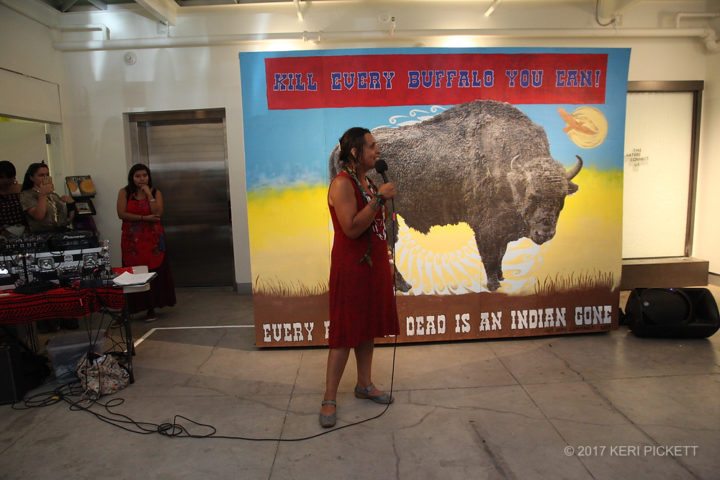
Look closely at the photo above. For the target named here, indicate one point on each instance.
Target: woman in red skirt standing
(140, 207)
(362, 299)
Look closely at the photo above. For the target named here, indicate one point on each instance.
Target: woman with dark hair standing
(46, 210)
(12, 217)
(362, 300)
(140, 207)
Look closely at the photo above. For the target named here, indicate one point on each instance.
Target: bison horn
(513, 161)
(570, 174)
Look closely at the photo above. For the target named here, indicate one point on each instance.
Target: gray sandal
(383, 398)
(327, 421)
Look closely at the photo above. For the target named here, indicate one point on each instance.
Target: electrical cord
(177, 429)
(597, 16)
(174, 430)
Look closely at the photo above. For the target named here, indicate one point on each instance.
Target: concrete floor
(589, 406)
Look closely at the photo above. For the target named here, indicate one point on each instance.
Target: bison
(484, 163)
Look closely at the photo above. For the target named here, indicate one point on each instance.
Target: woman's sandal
(383, 398)
(327, 421)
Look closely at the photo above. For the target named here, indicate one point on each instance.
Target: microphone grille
(381, 166)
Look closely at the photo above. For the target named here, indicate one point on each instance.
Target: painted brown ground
(276, 317)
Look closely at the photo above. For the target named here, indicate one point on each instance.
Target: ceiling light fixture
(491, 8)
(299, 12)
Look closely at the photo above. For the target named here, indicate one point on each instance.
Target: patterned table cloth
(61, 302)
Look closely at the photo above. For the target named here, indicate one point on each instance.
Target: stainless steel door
(186, 152)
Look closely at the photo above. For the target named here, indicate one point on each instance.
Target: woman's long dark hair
(34, 167)
(353, 138)
(131, 188)
(7, 169)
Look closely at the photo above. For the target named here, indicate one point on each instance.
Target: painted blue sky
(288, 147)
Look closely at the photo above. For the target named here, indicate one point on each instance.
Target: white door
(658, 144)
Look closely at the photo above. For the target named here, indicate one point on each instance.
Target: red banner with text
(441, 79)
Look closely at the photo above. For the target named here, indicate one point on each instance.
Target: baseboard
(664, 273)
(243, 288)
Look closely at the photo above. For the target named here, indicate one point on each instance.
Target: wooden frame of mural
(508, 164)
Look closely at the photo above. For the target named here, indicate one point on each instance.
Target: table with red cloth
(17, 308)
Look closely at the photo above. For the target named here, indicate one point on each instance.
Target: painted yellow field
(291, 237)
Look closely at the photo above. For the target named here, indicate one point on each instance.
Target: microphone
(381, 167)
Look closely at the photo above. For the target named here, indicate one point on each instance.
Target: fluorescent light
(491, 8)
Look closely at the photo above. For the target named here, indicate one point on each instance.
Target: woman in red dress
(140, 207)
(362, 299)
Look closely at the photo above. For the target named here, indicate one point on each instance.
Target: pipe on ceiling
(707, 35)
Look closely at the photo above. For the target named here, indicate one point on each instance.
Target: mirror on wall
(23, 142)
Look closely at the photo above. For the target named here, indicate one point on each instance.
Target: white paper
(127, 278)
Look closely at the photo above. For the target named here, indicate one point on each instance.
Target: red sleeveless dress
(142, 243)
(362, 299)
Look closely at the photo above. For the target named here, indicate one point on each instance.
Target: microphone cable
(177, 430)
(174, 429)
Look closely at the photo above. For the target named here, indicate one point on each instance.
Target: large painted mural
(508, 164)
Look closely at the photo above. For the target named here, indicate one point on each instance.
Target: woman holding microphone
(362, 299)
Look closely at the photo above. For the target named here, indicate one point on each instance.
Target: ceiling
(167, 11)
(84, 5)
(605, 7)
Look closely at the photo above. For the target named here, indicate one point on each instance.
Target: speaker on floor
(672, 312)
(20, 371)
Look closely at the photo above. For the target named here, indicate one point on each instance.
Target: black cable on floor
(175, 429)
(65, 393)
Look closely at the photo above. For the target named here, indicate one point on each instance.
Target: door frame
(696, 88)
(133, 121)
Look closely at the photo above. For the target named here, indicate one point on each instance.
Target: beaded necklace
(353, 175)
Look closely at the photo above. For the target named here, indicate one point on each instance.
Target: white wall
(34, 69)
(707, 226)
(100, 87)
(27, 48)
(22, 143)
(97, 87)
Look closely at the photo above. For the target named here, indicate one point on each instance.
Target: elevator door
(187, 158)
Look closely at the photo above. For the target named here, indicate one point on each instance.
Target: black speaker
(20, 372)
(672, 312)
